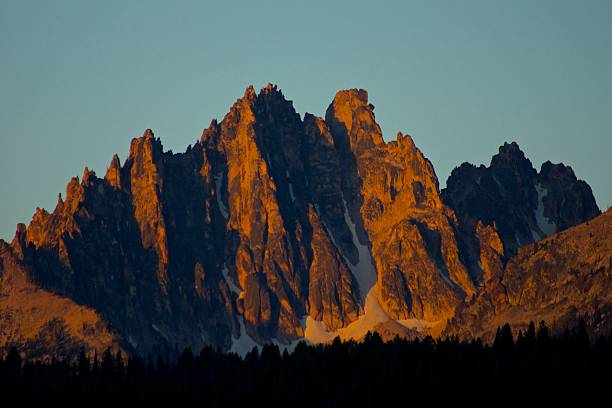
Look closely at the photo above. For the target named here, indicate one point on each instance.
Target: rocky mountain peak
(113, 173)
(146, 148)
(270, 89)
(352, 122)
(404, 139)
(19, 240)
(250, 94)
(556, 170)
(566, 200)
(525, 205)
(87, 176)
(512, 159)
(210, 134)
(317, 126)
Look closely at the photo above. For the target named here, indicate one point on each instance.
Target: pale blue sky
(79, 80)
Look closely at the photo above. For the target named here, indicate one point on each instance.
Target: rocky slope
(42, 323)
(271, 228)
(560, 279)
(392, 197)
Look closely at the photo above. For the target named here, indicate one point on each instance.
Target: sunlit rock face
(393, 194)
(276, 248)
(274, 228)
(523, 204)
(561, 279)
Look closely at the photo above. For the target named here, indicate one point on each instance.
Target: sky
(80, 79)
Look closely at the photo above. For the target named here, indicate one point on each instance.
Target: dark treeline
(533, 367)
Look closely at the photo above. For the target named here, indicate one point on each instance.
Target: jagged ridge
(274, 228)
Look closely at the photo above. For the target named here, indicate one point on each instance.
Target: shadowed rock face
(523, 204)
(137, 248)
(269, 219)
(41, 323)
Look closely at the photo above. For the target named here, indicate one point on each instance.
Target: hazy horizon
(79, 82)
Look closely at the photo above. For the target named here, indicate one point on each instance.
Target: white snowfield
(233, 287)
(546, 226)
(243, 344)
(373, 314)
(222, 207)
(365, 274)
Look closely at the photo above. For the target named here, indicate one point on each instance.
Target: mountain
(525, 205)
(274, 228)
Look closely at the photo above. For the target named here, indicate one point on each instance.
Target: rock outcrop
(524, 205)
(276, 248)
(392, 194)
(561, 279)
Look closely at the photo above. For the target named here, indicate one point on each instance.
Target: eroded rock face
(566, 200)
(137, 247)
(333, 294)
(560, 279)
(277, 249)
(525, 205)
(269, 221)
(392, 192)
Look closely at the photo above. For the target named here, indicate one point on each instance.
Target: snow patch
(535, 235)
(233, 287)
(289, 347)
(364, 269)
(373, 314)
(422, 326)
(546, 226)
(517, 239)
(244, 343)
(365, 274)
(291, 192)
(132, 342)
(290, 185)
(315, 331)
(501, 188)
(446, 278)
(222, 207)
(158, 330)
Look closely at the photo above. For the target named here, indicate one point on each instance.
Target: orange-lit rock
(411, 233)
(146, 185)
(113, 173)
(269, 222)
(561, 279)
